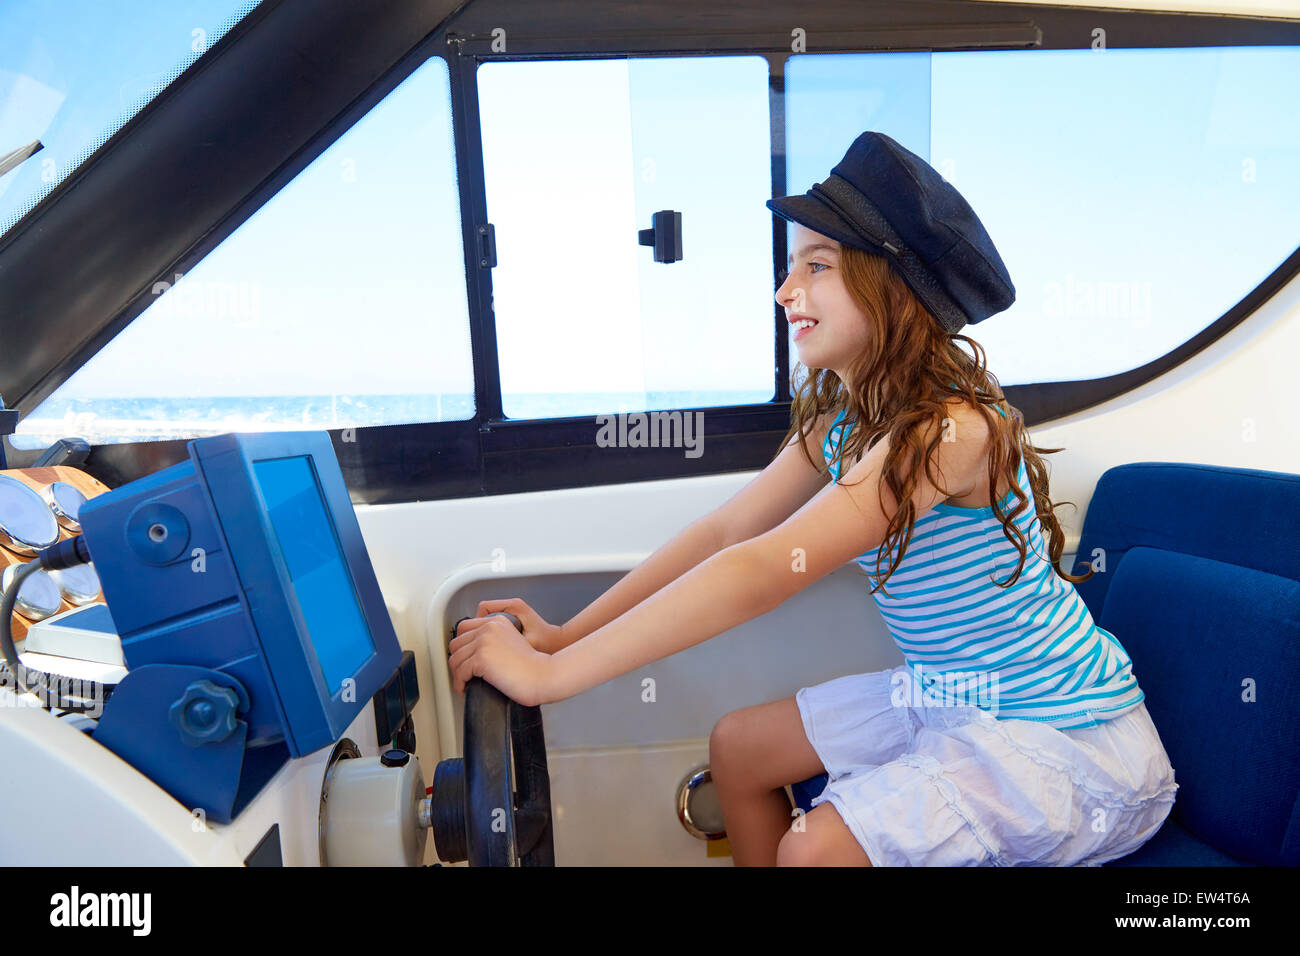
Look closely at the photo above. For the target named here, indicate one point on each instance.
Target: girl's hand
(547, 638)
(499, 654)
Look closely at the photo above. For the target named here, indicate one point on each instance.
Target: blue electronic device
(252, 625)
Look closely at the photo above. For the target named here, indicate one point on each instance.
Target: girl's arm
(724, 591)
(753, 577)
(781, 488)
(698, 541)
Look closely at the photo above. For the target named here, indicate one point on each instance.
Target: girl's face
(814, 289)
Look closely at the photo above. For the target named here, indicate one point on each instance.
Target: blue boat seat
(1201, 585)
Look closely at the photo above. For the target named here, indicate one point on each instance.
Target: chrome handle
(697, 805)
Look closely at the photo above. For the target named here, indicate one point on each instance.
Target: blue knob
(205, 713)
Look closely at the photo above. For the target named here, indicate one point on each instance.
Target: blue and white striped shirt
(1029, 652)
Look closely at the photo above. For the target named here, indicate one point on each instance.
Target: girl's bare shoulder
(821, 427)
(966, 417)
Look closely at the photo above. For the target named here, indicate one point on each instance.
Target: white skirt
(955, 786)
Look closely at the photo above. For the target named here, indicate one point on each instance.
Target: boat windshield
(73, 72)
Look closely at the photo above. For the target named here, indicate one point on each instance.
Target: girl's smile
(802, 325)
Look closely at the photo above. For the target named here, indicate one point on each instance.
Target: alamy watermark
(205, 299)
(916, 688)
(52, 690)
(652, 430)
(1087, 299)
(77, 908)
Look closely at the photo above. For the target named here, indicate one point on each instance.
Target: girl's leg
(753, 753)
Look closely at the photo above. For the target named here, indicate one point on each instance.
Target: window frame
(489, 454)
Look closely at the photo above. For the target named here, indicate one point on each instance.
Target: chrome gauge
(39, 596)
(65, 501)
(26, 522)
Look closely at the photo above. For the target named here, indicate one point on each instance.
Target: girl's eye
(785, 273)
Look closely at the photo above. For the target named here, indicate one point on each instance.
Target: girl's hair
(897, 385)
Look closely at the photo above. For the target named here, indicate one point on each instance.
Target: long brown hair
(897, 385)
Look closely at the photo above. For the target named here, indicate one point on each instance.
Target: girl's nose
(790, 295)
(781, 291)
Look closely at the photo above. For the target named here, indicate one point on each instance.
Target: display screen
(316, 566)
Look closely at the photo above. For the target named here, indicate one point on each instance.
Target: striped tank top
(1029, 651)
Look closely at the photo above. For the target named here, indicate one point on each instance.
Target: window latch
(487, 246)
(665, 235)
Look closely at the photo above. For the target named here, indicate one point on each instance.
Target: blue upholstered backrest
(1202, 588)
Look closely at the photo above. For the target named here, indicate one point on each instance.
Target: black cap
(887, 200)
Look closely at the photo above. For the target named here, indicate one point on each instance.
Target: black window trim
(491, 455)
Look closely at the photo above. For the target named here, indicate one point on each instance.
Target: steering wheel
(475, 812)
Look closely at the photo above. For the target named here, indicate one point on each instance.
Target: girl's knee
(795, 850)
(737, 758)
(762, 747)
(820, 839)
(727, 742)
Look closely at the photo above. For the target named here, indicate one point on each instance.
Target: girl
(1015, 732)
